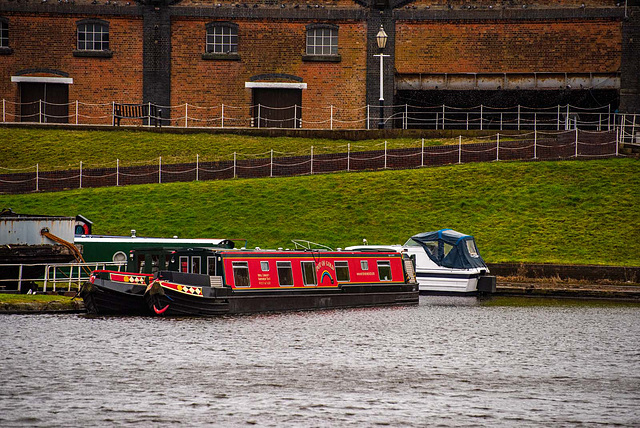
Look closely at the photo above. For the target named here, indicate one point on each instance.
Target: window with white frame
(4, 33)
(322, 40)
(93, 35)
(222, 38)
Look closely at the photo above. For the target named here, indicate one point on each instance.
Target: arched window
(93, 35)
(322, 39)
(222, 38)
(4, 33)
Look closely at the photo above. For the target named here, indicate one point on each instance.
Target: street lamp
(381, 39)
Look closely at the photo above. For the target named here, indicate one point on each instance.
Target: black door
(44, 102)
(277, 108)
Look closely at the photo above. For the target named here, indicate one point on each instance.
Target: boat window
(184, 264)
(285, 274)
(211, 265)
(471, 247)
(241, 274)
(155, 263)
(384, 270)
(264, 266)
(411, 243)
(447, 249)
(342, 271)
(309, 273)
(432, 247)
(364, 264)
(195, 264)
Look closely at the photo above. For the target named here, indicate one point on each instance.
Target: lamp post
(381, 39)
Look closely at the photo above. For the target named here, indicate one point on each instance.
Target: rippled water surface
(448, 362)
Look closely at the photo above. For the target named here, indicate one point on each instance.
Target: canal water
(447, 362)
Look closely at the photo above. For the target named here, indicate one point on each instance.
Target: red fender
(160, 311)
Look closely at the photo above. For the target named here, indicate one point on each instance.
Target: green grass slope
(583, 212)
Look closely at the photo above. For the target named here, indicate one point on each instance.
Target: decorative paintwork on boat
(267, 280)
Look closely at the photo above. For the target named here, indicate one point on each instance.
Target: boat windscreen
(451, 249)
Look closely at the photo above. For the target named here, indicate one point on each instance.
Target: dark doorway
(277, 108)
(44, 102)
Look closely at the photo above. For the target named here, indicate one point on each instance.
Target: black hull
(168, 302)
(105, 297)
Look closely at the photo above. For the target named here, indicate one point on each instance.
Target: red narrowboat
(272, 281)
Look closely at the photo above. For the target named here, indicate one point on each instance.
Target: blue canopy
(451, 249)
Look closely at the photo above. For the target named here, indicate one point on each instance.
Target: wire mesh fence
(536, 145)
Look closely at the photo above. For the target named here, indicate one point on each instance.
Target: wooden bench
(137, 111)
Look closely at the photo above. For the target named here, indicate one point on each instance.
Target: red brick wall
(264, 48)
(508, 47)
(47, 42)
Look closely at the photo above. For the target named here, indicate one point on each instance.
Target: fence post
(567, 124)
(149, 115)
(368, 117)
(576, 142)
(558, 117)
(46, 276)
(385, 154)
(117, 172)
(76, 112)
(222, 122)
(518, 117)
(113, 113)
(348, 155)
(331, 117)
(186, 115)
(422, 154)
(37, 176)
(160, 170)
(498, 147)
(617, 142)
(197, 164)
(442, 116)
(3, 110)
(501, 121)
(467, 121)
(535, 144)
(460, 149)
(535, 122)
(80, 174)
(311, 160)
(258, 115)
(406, 116)
(609, 119)
(271, 168)
(481, 117)
(39, 111)
(234, 165)
(437, 120)
(20, 278)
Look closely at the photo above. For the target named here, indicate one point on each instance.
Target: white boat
(446, 262)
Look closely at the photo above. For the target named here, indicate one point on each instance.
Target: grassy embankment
(558, 212)
(64, 149)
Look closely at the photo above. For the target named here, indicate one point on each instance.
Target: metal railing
(49, 276)
(404, 116)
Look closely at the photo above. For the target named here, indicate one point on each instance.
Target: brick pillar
(630, 67)
(156, 75)
(377, 17)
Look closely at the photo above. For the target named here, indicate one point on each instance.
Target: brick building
(214, 60)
